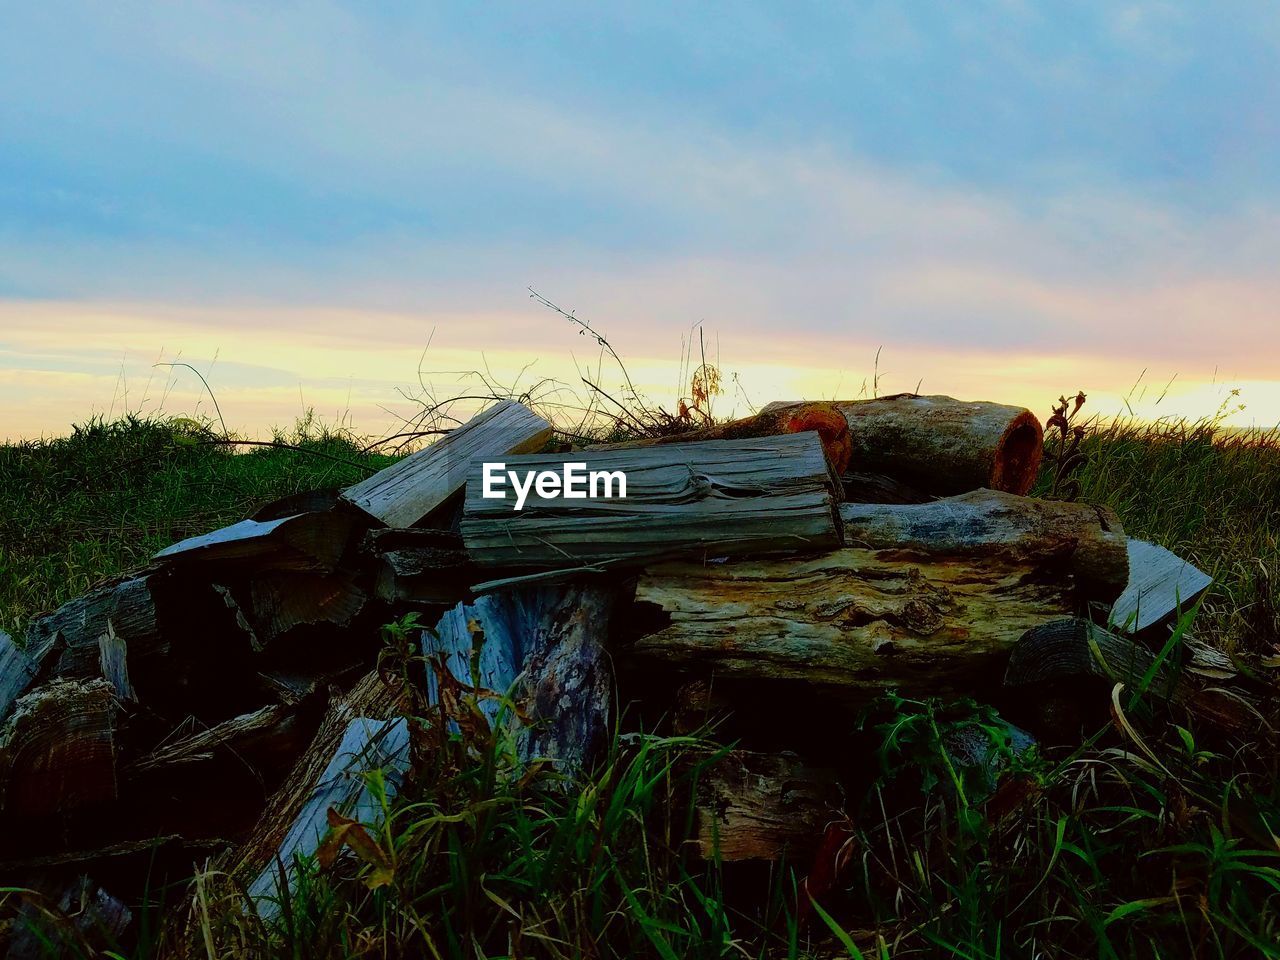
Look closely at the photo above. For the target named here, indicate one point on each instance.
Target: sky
(333, 206)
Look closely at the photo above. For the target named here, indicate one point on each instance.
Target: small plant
(1067, 457)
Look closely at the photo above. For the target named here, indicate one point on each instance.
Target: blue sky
(1056, 193)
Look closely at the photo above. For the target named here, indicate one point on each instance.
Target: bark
(859, 620)
(545, 645)
(410, 489)
(711, 499)
(764, 806)
(1085, 542)
(823, 418)
(944, 446)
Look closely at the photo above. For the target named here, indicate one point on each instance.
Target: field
(1156, 837)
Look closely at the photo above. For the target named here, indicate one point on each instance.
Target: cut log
(284, 600)
(1069, 538)
(551, 640)
(367, 745)
(408, 490)
(418, 566)
(828, 422)
(362, 709)
(1056, 655)
(763, 806)
(70, 636)
(944, 446)
(306, 501)
(709, 499)
(57, 750)
(305, 541)
(17, 672)
(860, 620)
(1160, 585)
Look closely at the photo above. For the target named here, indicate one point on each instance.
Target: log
(69, 637)
(877, 488)
(57, 750)
(1057, 655)
(942, 445)
(546, 646)
(1085, 542)
(764, 806)
(711, 499)
(856, 620)
(304, 541)
(1160, 585)
(828, 422)
(408, 490)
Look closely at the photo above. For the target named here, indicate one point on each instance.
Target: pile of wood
(225, 699)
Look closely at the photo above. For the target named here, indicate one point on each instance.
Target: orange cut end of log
(832, 428)
(1018, 455)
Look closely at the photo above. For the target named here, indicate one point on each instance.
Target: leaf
(345, 832)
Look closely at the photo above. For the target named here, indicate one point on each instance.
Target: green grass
(1154, 838)
(77, 509)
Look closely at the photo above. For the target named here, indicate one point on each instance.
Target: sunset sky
(1008, 200)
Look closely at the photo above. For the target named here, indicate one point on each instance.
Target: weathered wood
(1068, 538)
(828, 422)
(877, 488)
(1055, 654)
(79, 921)
(764, 806)
(57, 750)
(283, 600)
(18, 671)
(367, 745)
(69, 636)
(305, 541)
(855, 619)
(268, 723)
(546, 646)
(942, 445)
(418, 566)
(1160, 584)
(409, 489)
(709, 499)
(113, 662)
(371, 700)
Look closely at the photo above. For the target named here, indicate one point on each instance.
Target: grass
(1152, 838)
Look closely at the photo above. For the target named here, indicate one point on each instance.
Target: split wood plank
(710, 499)
(304, 541)
(822, 418)
(1160, 584)
(409, 489)
(367, 745)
